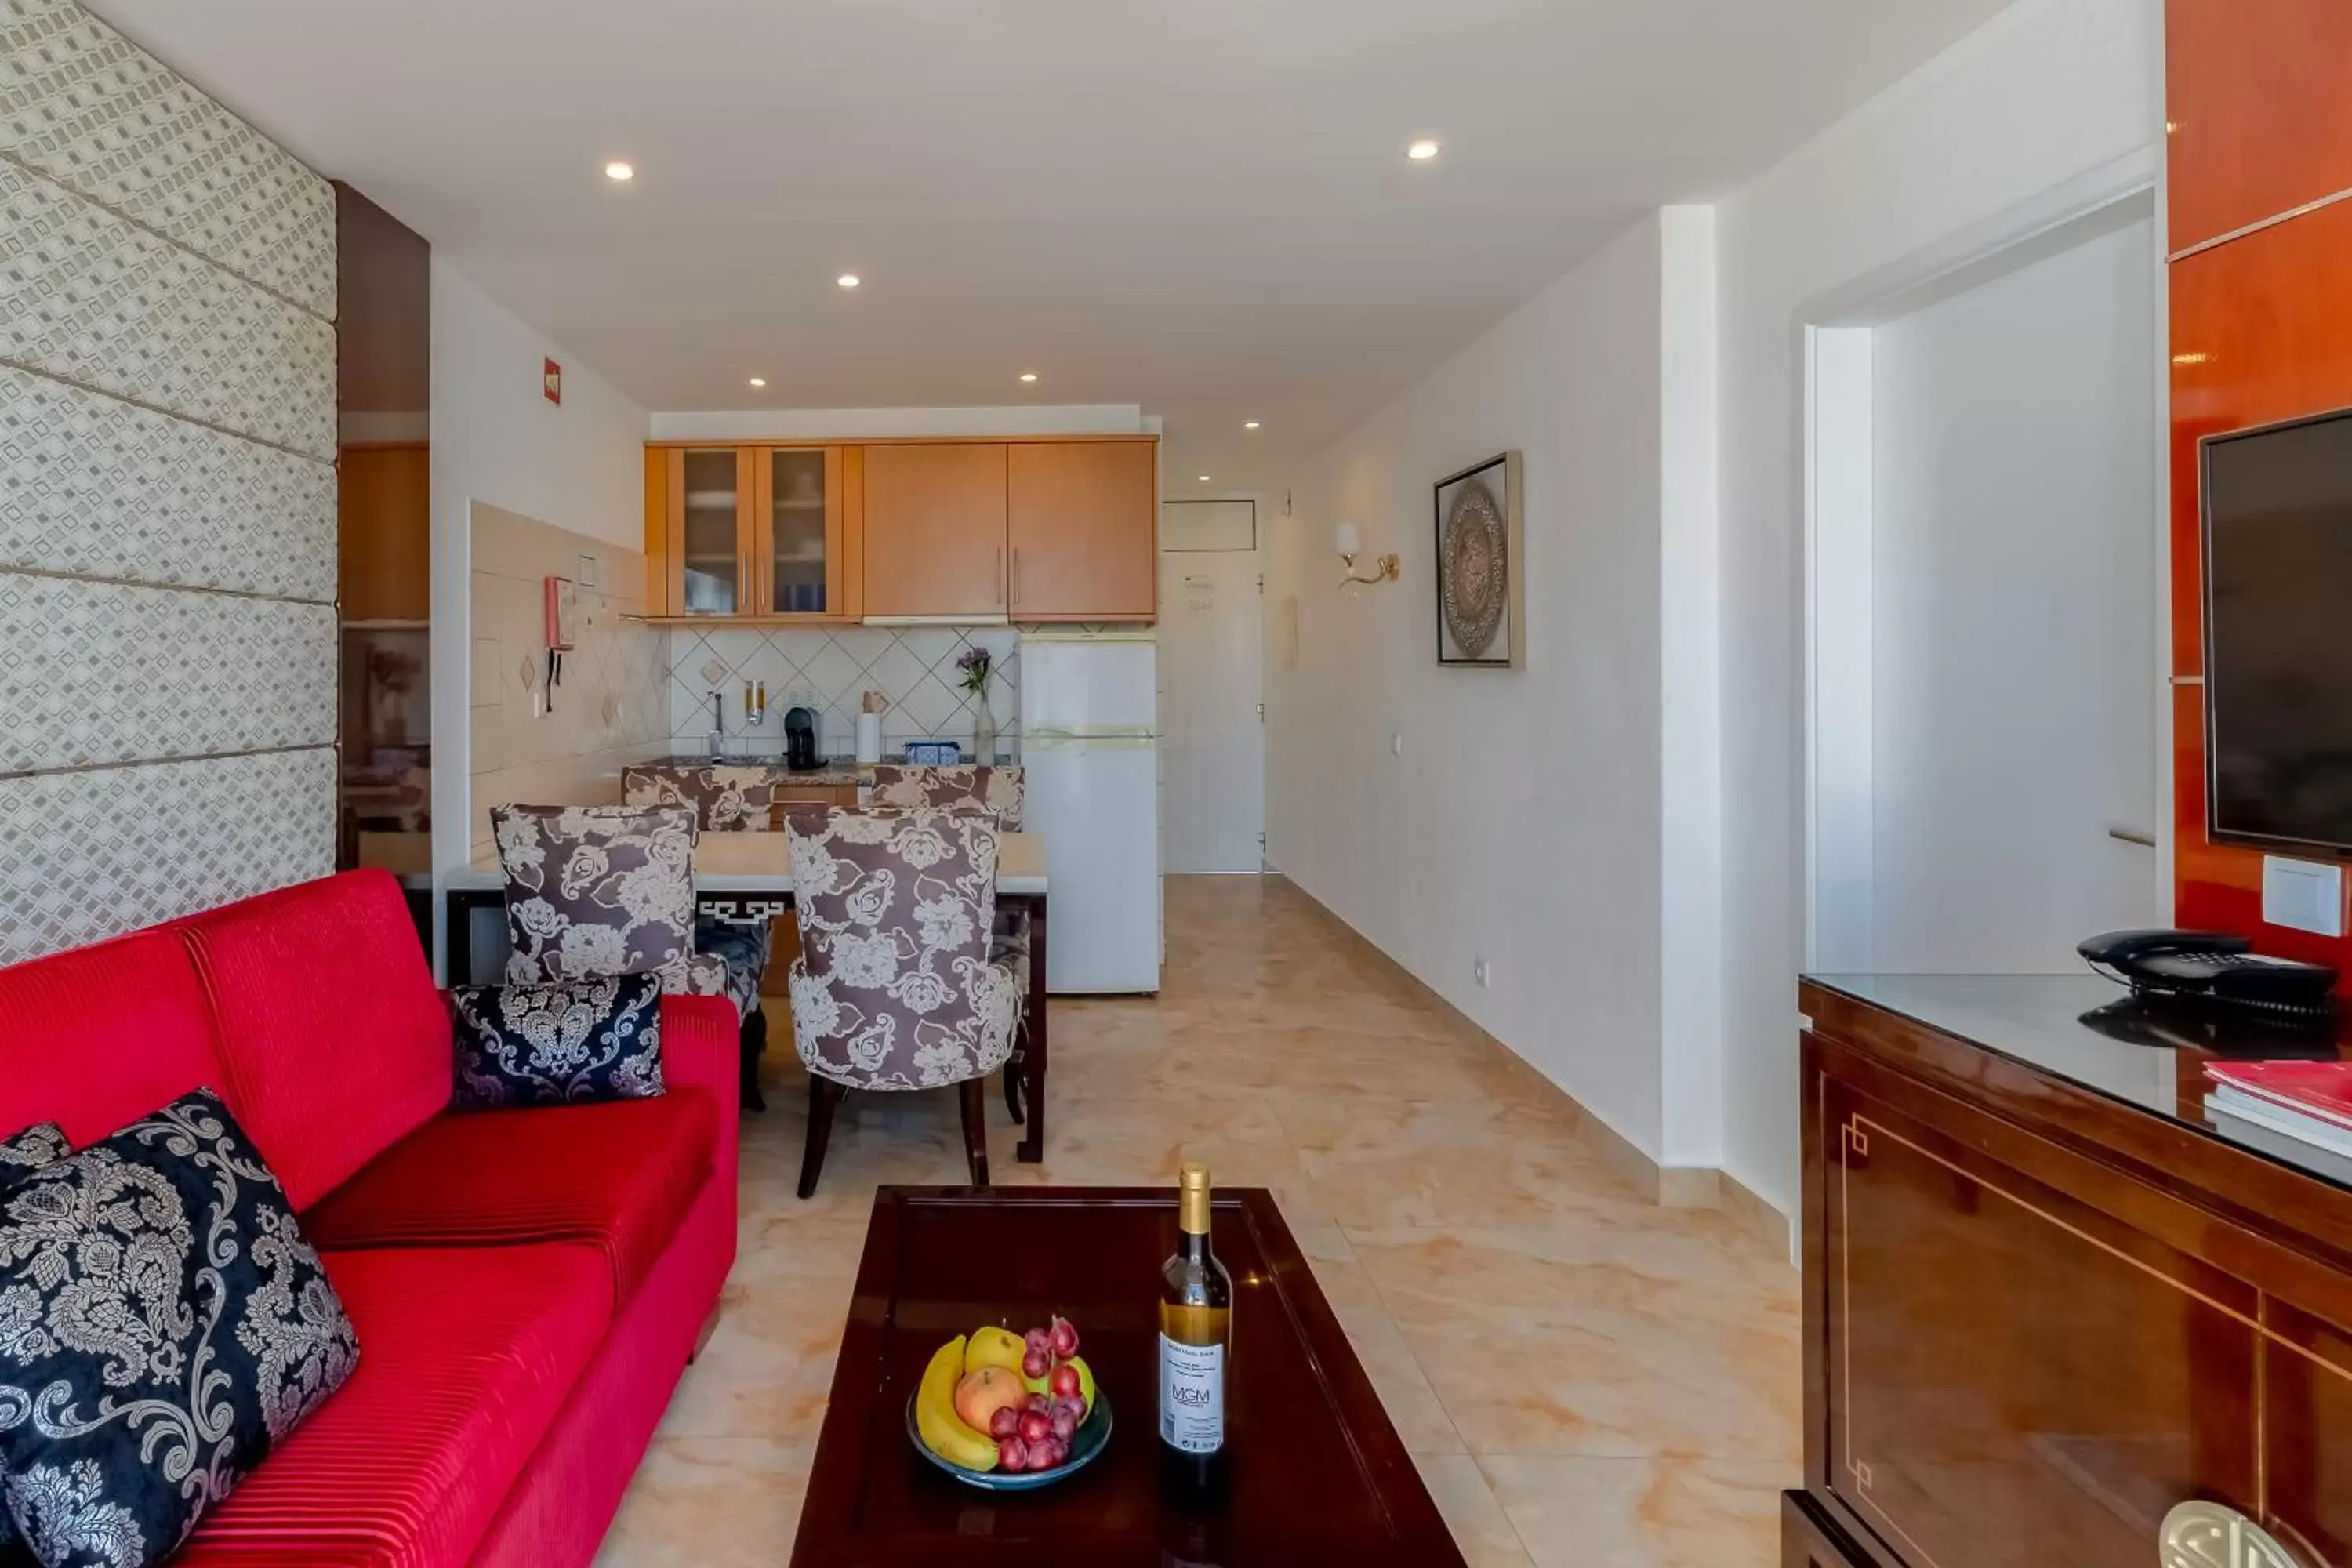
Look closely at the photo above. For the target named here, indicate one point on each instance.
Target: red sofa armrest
(702, 1048)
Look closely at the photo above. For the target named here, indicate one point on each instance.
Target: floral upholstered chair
(726, 797)
(598, 890)
(894, 989)
(978, 788)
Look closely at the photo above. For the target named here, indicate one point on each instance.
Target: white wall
(2047, 91)
(2013, 614)
(496, 440)
(1522, 821)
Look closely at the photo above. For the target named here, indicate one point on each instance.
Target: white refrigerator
(1090, 750)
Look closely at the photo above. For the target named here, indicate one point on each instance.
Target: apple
(980, 1395)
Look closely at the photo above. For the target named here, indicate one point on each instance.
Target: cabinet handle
(1000, 573)
(2213, 1535)
(1016, 576)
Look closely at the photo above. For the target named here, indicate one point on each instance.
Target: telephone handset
(2206, 965)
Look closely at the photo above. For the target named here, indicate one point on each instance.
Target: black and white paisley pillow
(574, 1042)
(163, 1325)
(35, 1146)
(24, 1151)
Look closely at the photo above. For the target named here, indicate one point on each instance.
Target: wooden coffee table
(1318, 1475)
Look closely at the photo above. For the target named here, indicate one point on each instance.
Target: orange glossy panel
(2255, 101)
(2261, 331)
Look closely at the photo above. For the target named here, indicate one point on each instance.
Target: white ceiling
(1201, 206)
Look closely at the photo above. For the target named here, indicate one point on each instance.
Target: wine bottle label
(1191, 1396)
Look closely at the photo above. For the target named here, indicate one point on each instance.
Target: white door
(1213, 733)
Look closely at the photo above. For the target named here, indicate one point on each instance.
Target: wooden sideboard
(2046, 1300)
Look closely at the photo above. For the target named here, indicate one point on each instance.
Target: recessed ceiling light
(1205, 478)
(849, 280)
(1028, 376)
(1249, 424)
(616, 169)
(1423, 151)
(758, 380)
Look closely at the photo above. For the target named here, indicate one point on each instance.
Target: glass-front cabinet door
(800, 541)
(712, 564)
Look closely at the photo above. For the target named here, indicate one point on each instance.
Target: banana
(943, 1432)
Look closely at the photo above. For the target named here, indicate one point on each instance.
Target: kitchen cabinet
(751, 532)
(386, 516)
(935, 530)
(1082, 531)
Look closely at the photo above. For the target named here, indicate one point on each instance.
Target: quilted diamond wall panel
(90, 298)
(91, 854)
(90, 484)
(168, 643)
(84, 106)
(94, 673)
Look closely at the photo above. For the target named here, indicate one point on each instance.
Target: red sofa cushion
(617, 1175)
(336, 1042)
(466, 1357)
(97, 1037)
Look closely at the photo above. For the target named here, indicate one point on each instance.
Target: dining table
(746, 878)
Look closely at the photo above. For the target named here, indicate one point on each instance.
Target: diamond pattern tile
(86, 856)
(93, 111)
(92, 485)
(90, 298)
(95, 673)
(913, 666)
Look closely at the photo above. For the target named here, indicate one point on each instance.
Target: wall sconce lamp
(1351, 544)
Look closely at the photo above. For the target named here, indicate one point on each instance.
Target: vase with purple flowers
(977, 665)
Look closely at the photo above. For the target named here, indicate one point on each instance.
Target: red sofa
(527, 1285)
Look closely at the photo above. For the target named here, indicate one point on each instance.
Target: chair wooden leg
(973, 1091)
(753, 1044)
(824, 1096)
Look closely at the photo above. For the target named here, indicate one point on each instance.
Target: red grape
(1042, 1404)
(1063, 1338)
(1046, 1456)
(1067, 1382)
(1038, 1340)
(1076, 1405)
(1035, 1428)
(1005, 1422)
(1036, 1363)
(1065, 1425)
(1013, 1454)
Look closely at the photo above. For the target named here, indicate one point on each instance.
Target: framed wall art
(1480, 597)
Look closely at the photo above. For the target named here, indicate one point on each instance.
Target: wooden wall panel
(2261, 331)
(2256, 106)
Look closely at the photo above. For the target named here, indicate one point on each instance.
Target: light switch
(2303, 895)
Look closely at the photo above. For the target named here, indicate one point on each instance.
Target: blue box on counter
(934, 753)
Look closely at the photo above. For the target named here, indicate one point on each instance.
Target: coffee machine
(800, 740)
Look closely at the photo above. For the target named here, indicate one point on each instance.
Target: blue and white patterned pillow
(20, 1153)
(163, 1324)
(573, 1042)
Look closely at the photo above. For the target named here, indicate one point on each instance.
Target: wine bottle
(1196, 1331)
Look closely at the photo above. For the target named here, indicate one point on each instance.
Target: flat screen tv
(2278, 634)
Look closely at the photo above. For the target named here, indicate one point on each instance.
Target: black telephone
(2210, 966)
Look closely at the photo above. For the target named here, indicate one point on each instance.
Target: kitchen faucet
(717, 724)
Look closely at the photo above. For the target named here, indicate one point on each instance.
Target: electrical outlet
(1483, 972)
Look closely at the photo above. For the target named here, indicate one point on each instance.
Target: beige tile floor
(1584, 1378)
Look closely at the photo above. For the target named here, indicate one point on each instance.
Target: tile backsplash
(914, 667)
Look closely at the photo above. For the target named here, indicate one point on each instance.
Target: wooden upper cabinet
(1082, 524)
(934, 534)
(736, 532)
(386, 506)
(2253, 109)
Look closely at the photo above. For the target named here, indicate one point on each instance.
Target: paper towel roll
(869, 737)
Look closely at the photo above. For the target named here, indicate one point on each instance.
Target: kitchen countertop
(834, 771)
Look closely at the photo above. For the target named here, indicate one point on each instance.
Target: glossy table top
(1318, 1473)
(2090, 1032)
(762, 863)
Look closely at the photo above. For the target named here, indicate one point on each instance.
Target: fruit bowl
(1092, 1437)
(1009, 1412)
